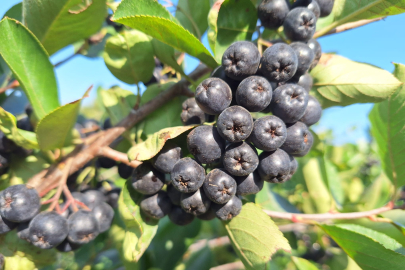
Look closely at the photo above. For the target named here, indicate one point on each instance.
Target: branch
(12, 85)
(85, 153)
(118, 156)
(328, 216)
(344, 27)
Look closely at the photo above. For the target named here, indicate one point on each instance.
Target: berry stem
(62, 184)
(118, 156)
(12, 85)
(335, 28)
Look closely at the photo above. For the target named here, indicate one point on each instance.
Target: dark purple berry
(235, 124)
(125, 171)
(180, 217)
(213, 96)
(312, 5)
(316, 48)
(300, 24)
(254, 93)
(187, 175)
(219, 72)
(6, 226)
(240, 159)
(219, 186)
(250, 184)
(174, 194)
(192, 113)
(83, 227)
(104, 215)
(205, 144)
(164, 161)
(67, 246)
(312, 113)
(196, 203)
(299, 140)
(326, 7)
(156, 206)
(269, 133)
(274, 167)
(147, 180)
(229, 210)
(207, 216)
(47, 230)
(305, 57)
(93, 197)
(273, 12)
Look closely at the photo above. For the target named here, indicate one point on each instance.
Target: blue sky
(379, 44)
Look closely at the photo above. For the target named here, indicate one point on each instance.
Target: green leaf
(139, 230)
(230, 21)
(118, 103)
(303, 264)
(21, 255)
(8, 125)
(387, 126)
(57, 23)
(333, 181)
(339, 81)
(193, 15)
(165, 53)
(150, 17)
(30, 65)
(270, 200)
(255, 237)
(345, 11)
(55, 129)
(15, 12)
(377, 194)
(200, 260)
(370, 249)
(129, 56)
(154, 143)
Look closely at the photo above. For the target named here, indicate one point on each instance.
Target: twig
(12, 85)
(118, 156)
(229, 266)
(328, 216)
(332, 29)
(62, 183)
(84, 153)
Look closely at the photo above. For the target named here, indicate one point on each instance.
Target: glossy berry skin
(279, 63)
(113, 196)
(235, 124)
(273, 12)
(312, 5)
(274, 167)
(174, 194)
(156, 206)
(6, 145)
(228, 210)
(4, 162)
(180, 217)
(93, 197)
(299, 140)
(196, 203)
(47, 230)
(300, 24)
(83, 227)
(254, 93)
(19, 203)
(312, 113)
(326, 7)
(23, 231)
(205, 144)
(305, 81)
(187, 175)
(250, 184)
(293, 167)
(241, 60)
(317, 49)
(6, 226)
(147, 180)
(219, 186)
(125, 171)
(209, 215)
(305, 57)
(269, 133)
(164, 161)
(25, 124)
(67, 246)
(104, 215)
(106, 163)
(192, 113)
(213, 95)
(289, 102)
(219, 72)
(240, 159)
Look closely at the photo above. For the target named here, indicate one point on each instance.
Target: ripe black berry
(316, 48)
(187, 175)
(312, 5)
(48, 229)
(147, 180)
(104, 215)
(269, 133)
(19, 203)
(113, 196)
(6, 145)
(300, 24)
(279, 63)
(25, 124)
(106, 163)
(219, 186)
(305, 57)
(174, 194)
(156, 206)
(235, 124)
(219, 72)
(107, 124)
(299, 140)
(205, 144)
(293, 166)
(180, 217)
(125, 171)
(6, 226)
(209, 215)
(229, 210)
(273, 12)
(240, 159)
(326, 7)
(241, 60)
(274, 167)
(164, 161)
(250, 184)
(4, 162)
(83, 227)
(312, 113)
(93, 197)
(192, 113)
(196, 203)
(254, 93)
(67, 246)
(213, 96)
(305, 81)
(289, 102)
(23, 231)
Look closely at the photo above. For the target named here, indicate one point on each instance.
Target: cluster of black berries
(66, 231)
